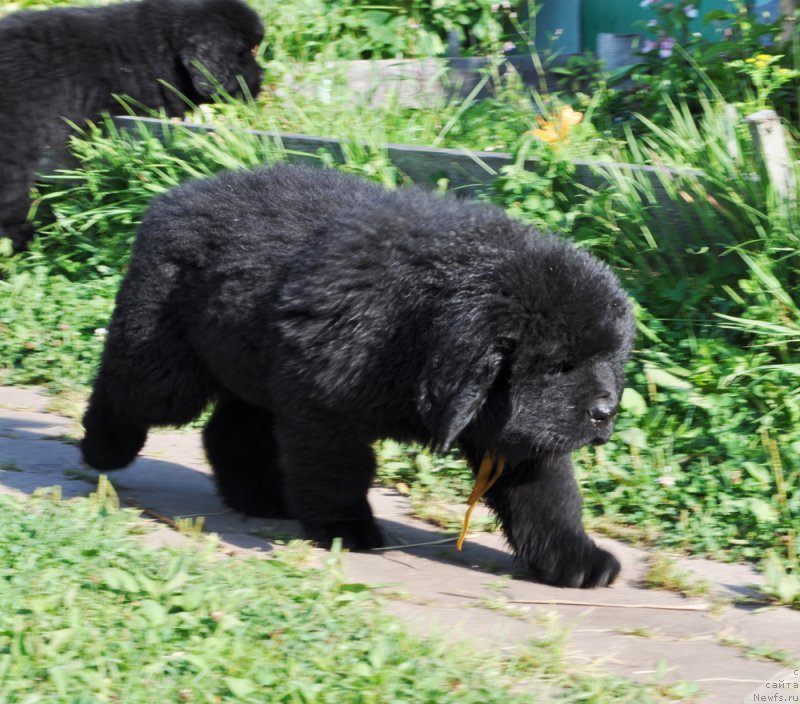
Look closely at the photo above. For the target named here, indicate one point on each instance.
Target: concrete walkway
(624, 629)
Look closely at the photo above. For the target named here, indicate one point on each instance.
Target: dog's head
(533, 358)
(216, 43)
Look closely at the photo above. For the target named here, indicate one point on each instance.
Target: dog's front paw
(356, 535)
(603, 571)
(586, 568)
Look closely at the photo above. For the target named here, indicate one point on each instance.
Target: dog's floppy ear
(455, 384)
(210, 65)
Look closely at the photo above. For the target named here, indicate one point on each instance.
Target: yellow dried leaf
(488, 473)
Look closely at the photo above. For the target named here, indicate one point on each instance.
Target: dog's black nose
(601, 411)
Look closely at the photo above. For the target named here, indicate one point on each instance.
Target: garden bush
(354, 29)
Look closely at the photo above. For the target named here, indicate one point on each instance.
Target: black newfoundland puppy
(67, 64)
(321, 313)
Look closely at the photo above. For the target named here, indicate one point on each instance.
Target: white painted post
(770, 141)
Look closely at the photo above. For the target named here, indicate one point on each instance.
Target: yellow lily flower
(557, 129)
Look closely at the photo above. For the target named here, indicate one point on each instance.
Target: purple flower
(652, 23)
(648, 46)
(690, 11)
(665, 48)
(647, 3)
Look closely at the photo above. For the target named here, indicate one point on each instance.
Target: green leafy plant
(766, 76)
(352, 29)
(679, 64)
(782, 583)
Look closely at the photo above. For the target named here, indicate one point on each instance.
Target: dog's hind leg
(111, 440)
(327, 476)
(149, 376)
(240, 445)
(19, 155)
(14, 204)
(122, 408)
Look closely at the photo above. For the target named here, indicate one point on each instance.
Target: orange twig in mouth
(489, 472)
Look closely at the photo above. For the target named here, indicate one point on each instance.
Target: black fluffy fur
(67, 65)
(323, 313)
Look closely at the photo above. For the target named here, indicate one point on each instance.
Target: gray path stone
(625, 629)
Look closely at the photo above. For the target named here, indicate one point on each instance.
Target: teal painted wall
(622, 17)
(563, 15)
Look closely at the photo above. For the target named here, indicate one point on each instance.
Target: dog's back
(65, 58)
(282, 213)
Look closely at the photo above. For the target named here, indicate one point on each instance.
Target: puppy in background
(67, 65)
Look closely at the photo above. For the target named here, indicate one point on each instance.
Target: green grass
(89, 615)
(314, 98)
(663, 572)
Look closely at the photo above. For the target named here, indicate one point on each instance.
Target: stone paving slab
(473, 595)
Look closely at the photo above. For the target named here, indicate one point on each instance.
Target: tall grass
(680, 226)
(317, 98)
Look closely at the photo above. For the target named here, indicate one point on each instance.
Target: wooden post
(788, 10)
(770, 142)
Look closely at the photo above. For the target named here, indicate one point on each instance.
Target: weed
(190, 526)
(782, 582)
(663, 572)
(81, 475)
(636, 631)
(760, 652)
